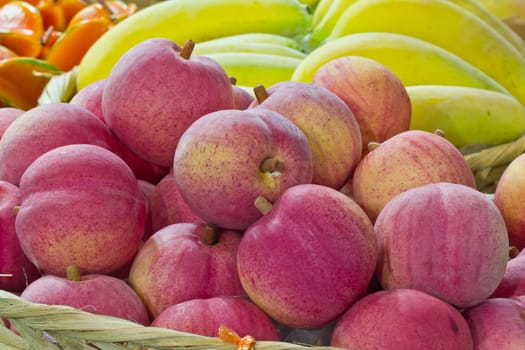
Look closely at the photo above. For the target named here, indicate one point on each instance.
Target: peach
(407, 160)
(508, 197)
(375, 95)
(80, 205)
(445, 239)
(45, 127)
(402, 319)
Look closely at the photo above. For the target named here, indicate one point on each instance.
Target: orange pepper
(48, 40)
(21, 17)
(72, 7)
(71, 46)
(5, 53)
(114, 11)
(22, 80)
(84, 29)
(58, 13)
(21, 27)
(52, 14)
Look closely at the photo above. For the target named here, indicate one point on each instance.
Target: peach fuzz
(407, 160)
(43, 128)
(80, 205)
(445, 239)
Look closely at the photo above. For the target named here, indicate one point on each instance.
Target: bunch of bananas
(463, 67)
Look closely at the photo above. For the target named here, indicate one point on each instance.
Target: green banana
(256, 38)
(477, 9)
(471, 118)
(444, 24)
(414, 61)
(262, 48)
(326, 24)
(180, 20)
(250, 69)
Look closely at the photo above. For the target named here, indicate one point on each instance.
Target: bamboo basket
(45, 327)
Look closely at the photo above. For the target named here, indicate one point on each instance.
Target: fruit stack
(327, 174)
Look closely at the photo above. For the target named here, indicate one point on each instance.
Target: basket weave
(52, 327)
(489, 164)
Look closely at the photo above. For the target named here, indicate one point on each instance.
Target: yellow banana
(320, 11)
(504, 9)
(444, 24)
(414, 61)
(477, 9)
(250, 69)
(258, 38)
(180, 20)
(261, 48)
(326, 24)
(471, 118)
(311, 3)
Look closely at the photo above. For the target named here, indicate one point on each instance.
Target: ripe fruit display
(435, 252)
(44, 128)
(497, 321)
(382, 107)
(277, 174)
(205, 317)
(402, 319)
(509, 188)
(84, 202)
(325, 247)
(185, 261)
(14, 264)
(409, 159)
(148, 99)
(332, 131)
(99, 294)
(228, 158)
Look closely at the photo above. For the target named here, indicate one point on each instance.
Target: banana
(261, 48)
(414, 61)
(320, 11)
(477, 9)
(250, 69)
(504, 9)
(471, 118)
(258, 38)
(311, 3)
(326, 24)
(444, 24)
(180, 20)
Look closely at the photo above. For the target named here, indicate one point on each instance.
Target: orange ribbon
(229, 335)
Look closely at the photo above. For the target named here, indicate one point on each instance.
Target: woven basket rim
(60, 327)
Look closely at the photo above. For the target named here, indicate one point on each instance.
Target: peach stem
(16, 209)
(439, 132)
(263, 205)
(260, 93)
(513, 252)
(270, 165)
(233, 80)
(187, 49)
(373, 145)
(73, 273)
(210, 234)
